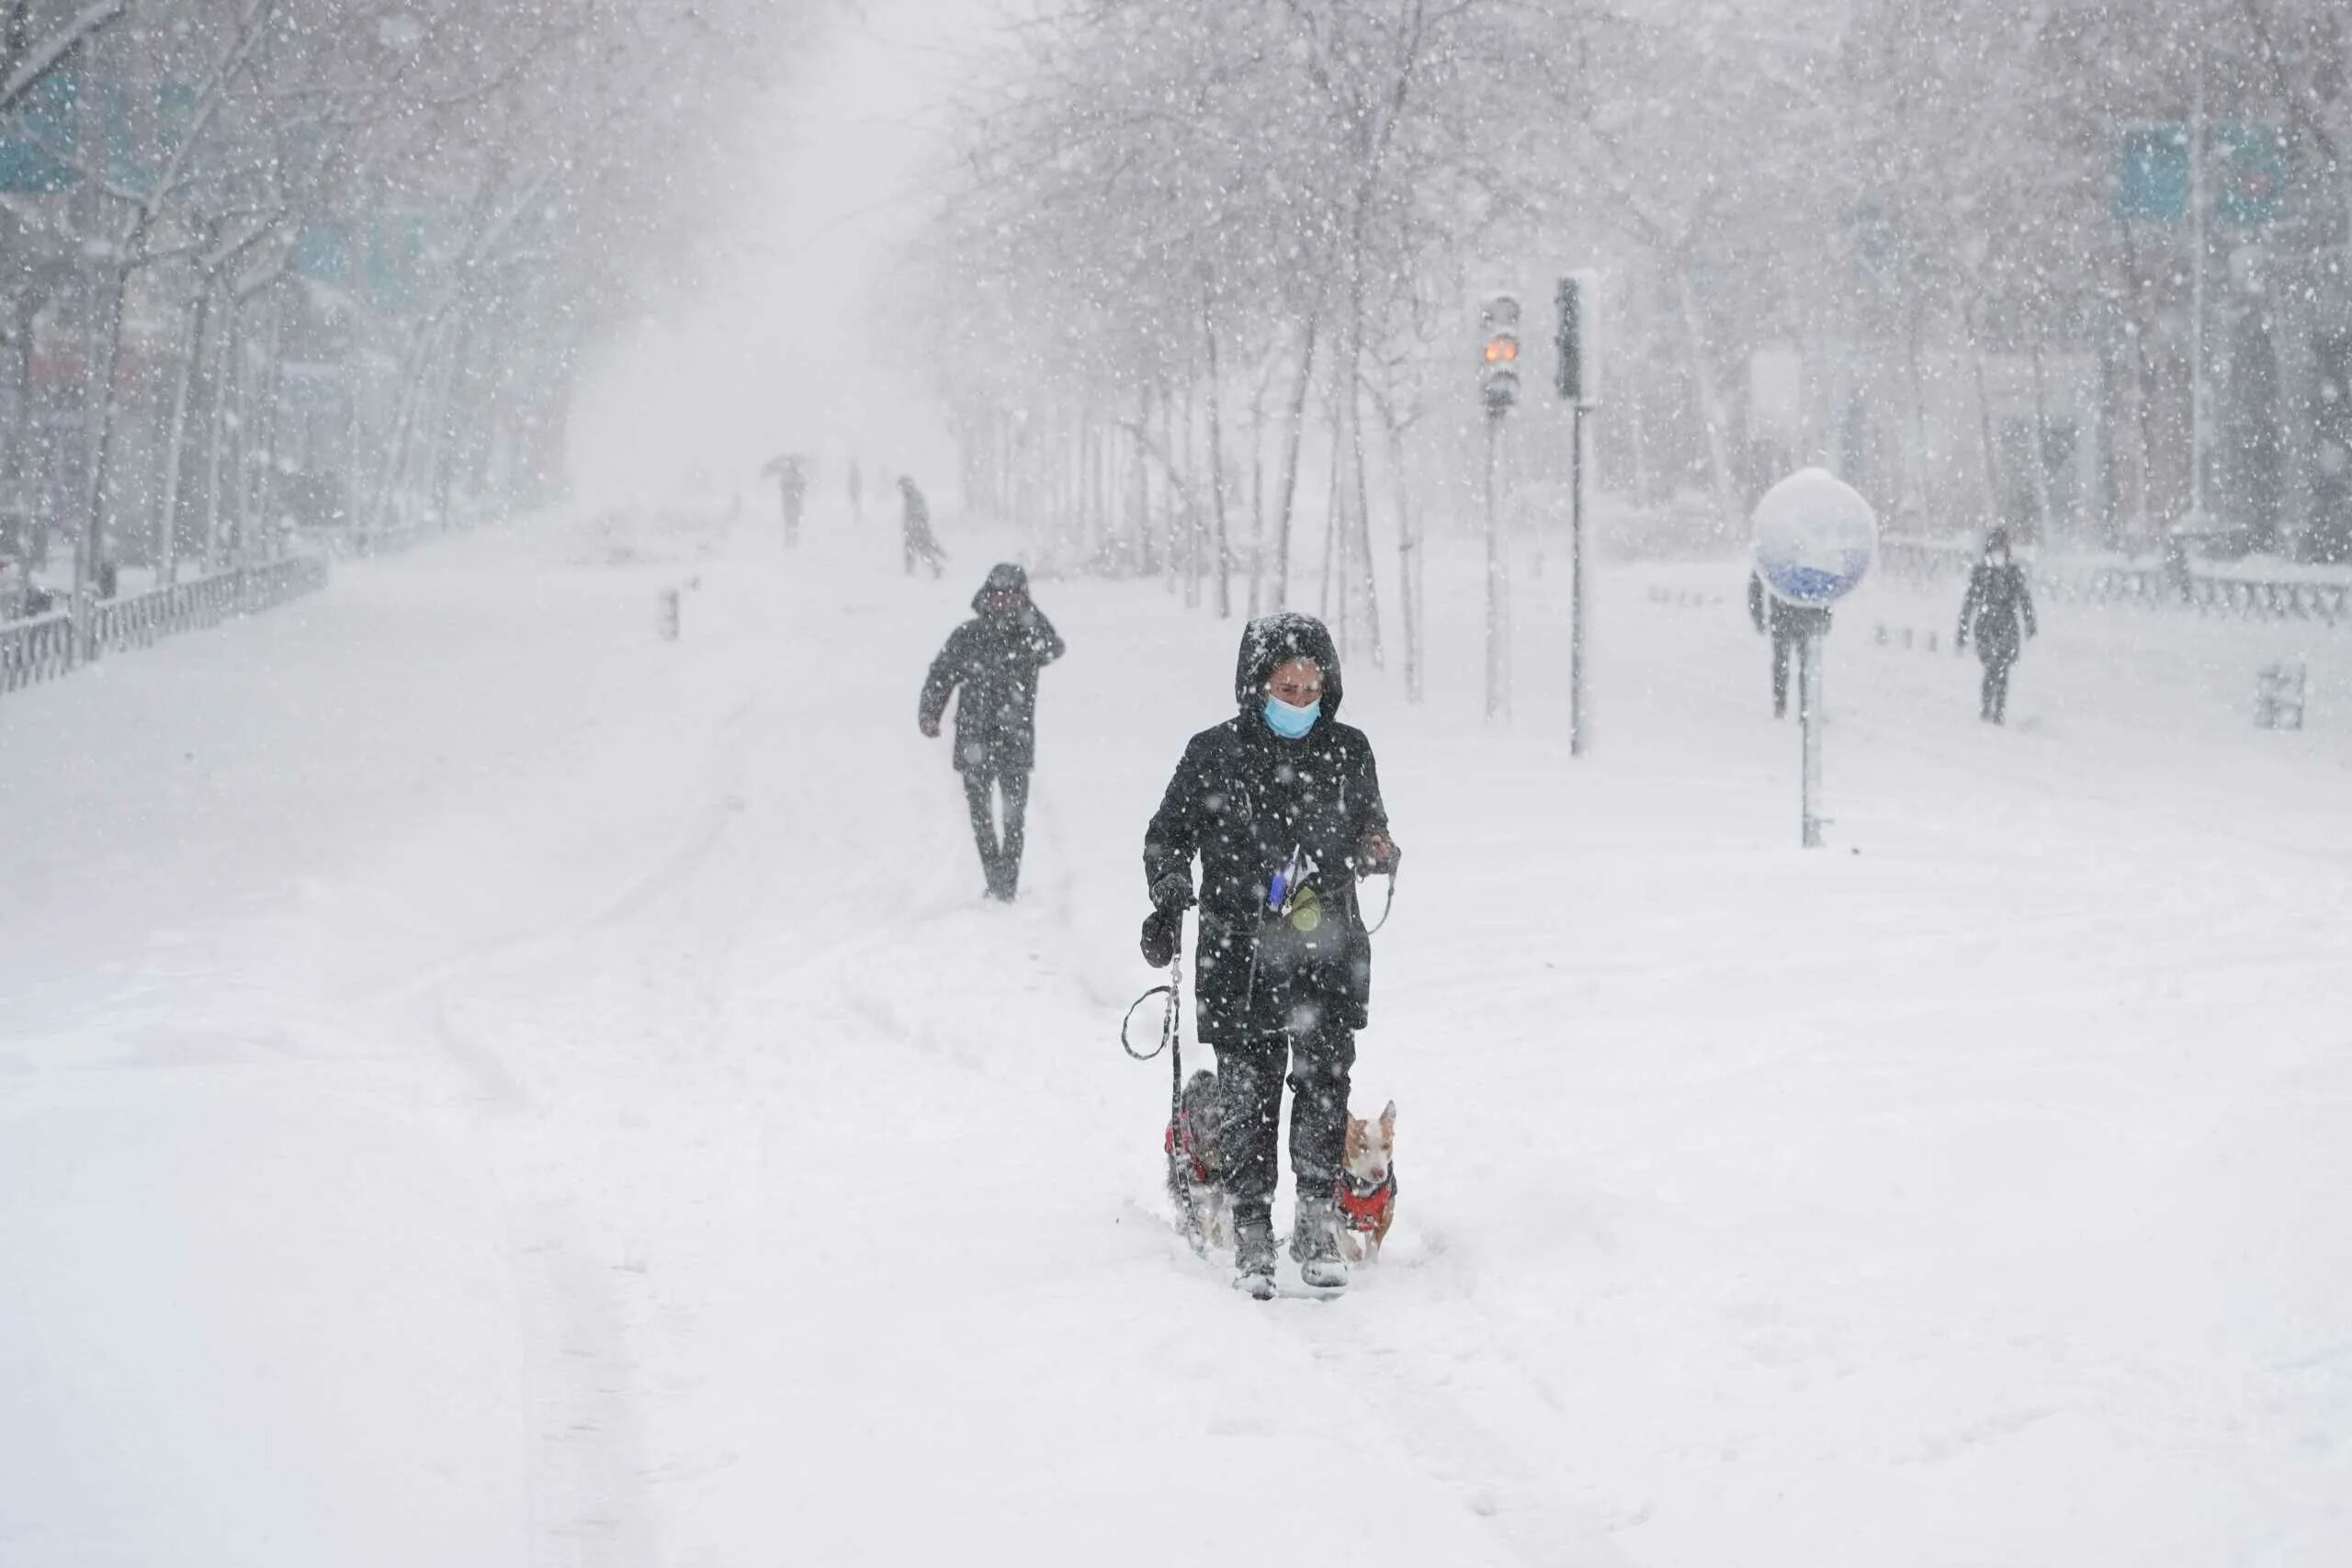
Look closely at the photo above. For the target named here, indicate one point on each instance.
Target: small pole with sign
(1814, 538)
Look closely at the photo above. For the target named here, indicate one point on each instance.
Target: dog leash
(1174, 991)
(1387, 905)
(1170, 1036)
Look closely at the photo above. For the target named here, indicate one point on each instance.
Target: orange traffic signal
(1498, 337)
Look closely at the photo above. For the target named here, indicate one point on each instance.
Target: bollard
(669, 615)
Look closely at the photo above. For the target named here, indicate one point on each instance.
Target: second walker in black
(989, 666)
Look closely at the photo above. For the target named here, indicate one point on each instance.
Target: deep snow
(480, 1085)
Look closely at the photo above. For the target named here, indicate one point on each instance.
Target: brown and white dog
(1367, 1186)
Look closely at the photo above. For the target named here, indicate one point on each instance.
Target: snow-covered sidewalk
(480, 1085)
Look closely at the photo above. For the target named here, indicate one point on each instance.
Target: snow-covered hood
(1275, 639)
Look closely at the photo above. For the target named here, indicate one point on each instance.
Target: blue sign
(2246, 172)
(2151, 174)
(1814, 537)
(38, 137)
(2248, 165)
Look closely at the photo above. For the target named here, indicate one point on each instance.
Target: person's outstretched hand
(930, 728)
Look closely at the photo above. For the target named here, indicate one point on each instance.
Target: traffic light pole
(1578, 383)
(1809, 720)
(1578, 716)
(1499, 390)
(1497, 577)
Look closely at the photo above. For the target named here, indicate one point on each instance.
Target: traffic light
(1498, 353)
(1579, 376)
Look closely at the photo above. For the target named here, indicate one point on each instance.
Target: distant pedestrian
(915, 530)
(1790, 626)
(2000, 611)
(857, 493)
(792, 478)
(989, 666)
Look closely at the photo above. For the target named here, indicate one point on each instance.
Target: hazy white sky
(794, 344)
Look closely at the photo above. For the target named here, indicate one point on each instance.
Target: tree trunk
(107, 287)
(1220, 542)
(219, 404)
(1370, 583)
(1257, 497)
(411, 396)
(1189, 535)
(176, 440)
(1139, 519)
(1171, 537)
(257, 429)
(1409, 554)
(1332, 534)
(2039, 462)
(17, 454)
(1922, 455)
(447, 429)
(1710, 407)
(1984, 418)
(1294, 436)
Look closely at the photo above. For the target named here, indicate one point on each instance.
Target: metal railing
(46, 647)
(39, 649)
(2145, 587)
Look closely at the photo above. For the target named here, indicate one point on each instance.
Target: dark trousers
(1318, 1056)
(1997, 664)
(999, 851)
(791, 519)
(1786, 646)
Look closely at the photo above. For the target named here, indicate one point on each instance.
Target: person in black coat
(914, 529)
(2000, 611)
(992, 661)
(1281, 805)
(791, 475)
(1790, 626)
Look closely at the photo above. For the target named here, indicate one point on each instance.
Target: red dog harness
(1180, 1138)
(1365, 1212)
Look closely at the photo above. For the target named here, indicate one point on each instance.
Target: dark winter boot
(1253, 1258)
(1315, 1243)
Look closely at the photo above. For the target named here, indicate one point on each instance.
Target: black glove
(1163, 934)
(1174, 891)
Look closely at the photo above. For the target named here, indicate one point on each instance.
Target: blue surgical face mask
(1290, 723)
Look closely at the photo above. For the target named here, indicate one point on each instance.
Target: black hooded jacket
(1242, 798)
(1997, 607)
(993, 660)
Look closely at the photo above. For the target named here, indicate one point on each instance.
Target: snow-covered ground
(482, 1085)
